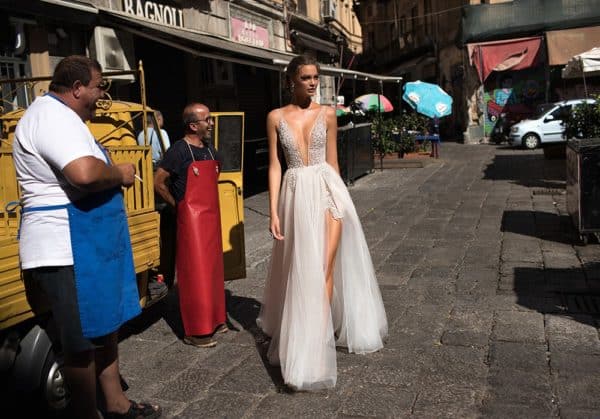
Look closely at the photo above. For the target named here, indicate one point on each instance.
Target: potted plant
(584, 121)
(382, 136)
(582, 129)
(409, 124)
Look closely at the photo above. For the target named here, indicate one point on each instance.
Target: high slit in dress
(304, 327)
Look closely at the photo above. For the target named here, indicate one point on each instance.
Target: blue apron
(105, 279)
(103, 262)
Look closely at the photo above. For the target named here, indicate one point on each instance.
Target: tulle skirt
(304, 328)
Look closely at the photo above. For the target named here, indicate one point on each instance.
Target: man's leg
(107, 369)
(80, 376)
(56, 287)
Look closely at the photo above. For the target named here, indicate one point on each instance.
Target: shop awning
(413, 64)
(194, 42)
(510, 54)
(512, 19)
(314, 43)
(584, 64)
(562, 45)
(343, 72)
(73, 5)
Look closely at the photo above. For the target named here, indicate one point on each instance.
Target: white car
(546, 126)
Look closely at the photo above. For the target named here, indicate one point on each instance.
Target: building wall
(175, 77)
(416, 39)
(347, 24)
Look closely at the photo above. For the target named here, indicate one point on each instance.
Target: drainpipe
(547, 72)
(483, 90)
(286, 26)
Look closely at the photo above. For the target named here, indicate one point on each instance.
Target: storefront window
(64, 41)
(13, 95)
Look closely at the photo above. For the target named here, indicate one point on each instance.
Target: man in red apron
(187, 179)
(74, 240)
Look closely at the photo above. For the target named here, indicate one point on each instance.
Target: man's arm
(92, 175)
(161, 187)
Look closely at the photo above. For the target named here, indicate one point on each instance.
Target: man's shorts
(56, 288)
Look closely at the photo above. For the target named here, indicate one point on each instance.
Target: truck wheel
(531, 141)
(52, 384)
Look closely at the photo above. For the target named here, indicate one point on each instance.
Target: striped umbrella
(374, 102)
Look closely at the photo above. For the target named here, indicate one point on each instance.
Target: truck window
(230, 142)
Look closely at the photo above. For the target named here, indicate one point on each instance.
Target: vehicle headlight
(514, 130)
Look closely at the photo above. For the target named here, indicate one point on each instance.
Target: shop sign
(159, 13)
(247, 32)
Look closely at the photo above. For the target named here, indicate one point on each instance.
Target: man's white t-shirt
(49, 136)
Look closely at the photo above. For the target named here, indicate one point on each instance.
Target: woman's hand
(274, 228)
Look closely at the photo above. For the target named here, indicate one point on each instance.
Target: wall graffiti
(513, 93)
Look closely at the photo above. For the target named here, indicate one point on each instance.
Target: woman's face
(306, 80)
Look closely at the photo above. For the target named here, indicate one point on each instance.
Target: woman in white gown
(321, 291)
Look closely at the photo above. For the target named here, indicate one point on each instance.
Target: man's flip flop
(137, 411)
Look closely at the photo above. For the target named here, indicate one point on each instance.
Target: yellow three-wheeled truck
(29, 362)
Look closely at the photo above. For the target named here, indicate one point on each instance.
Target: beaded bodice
(316, 146)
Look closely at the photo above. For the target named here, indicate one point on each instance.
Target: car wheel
(53, 389)
(531, 141)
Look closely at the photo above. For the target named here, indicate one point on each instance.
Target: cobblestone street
(492, 304)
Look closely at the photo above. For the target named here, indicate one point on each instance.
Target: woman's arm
(331, 148)
(274, 174)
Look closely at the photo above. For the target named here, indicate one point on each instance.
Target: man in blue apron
(74, 239)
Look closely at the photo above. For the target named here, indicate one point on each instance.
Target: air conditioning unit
(113, 50)
(328, 9)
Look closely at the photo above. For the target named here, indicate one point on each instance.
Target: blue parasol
(427, 99)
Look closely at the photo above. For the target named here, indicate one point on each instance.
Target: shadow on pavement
(573, 293)
(540, 224)
(530, 170)
(245, 312)
(151, 315)
(241, 311)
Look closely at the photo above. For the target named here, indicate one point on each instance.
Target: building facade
(514, 53)
(214, 51)
(448, 42)
(416, 39)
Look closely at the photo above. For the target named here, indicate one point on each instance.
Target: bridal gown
(304, 328)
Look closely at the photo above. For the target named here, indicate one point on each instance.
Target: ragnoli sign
(160, 13)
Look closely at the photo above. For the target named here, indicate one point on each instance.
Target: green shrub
(584, 121)
(397, 134)
(382, 134)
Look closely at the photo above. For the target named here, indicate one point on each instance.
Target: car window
(541, 110)
(561, 112)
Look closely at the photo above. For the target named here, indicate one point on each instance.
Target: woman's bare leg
(334, 233)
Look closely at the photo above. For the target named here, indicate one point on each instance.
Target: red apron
(199, 257)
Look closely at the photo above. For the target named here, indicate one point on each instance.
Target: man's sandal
(137, 411)
(222, 328)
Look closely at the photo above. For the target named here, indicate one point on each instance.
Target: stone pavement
(493, 307)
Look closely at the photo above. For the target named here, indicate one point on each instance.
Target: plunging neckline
(310, 133)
